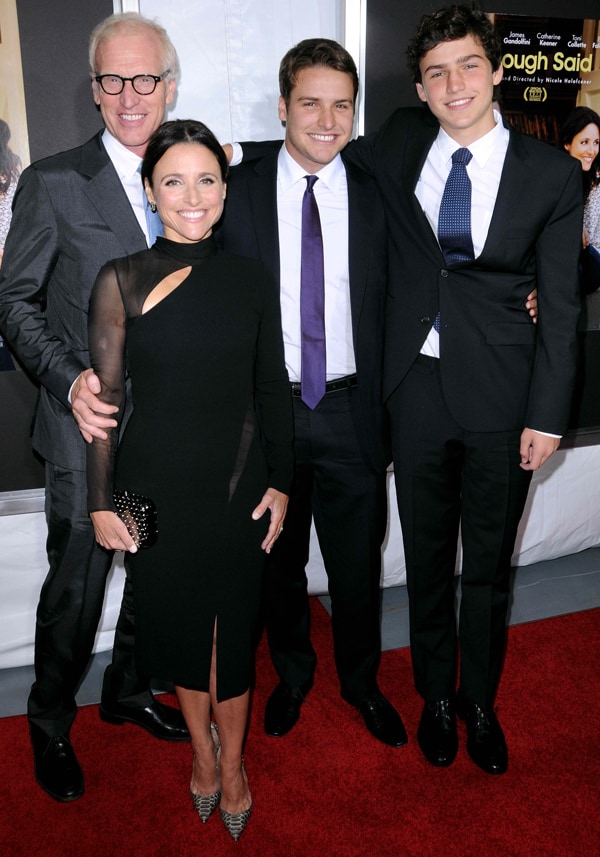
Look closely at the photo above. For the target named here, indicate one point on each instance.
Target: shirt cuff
(238, 154)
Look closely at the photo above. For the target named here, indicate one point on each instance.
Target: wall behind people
(229, 79)
(60, 114)
(230, 55)
(60, 110)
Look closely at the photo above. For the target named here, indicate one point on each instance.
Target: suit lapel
(514, 178)
(360, 205)
(262, 201)
(415, 157)
(107, 195)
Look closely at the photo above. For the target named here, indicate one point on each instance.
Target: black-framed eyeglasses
(143, 84)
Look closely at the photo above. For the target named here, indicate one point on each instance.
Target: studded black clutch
(139, 515)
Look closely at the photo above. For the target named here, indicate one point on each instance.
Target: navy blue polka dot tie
(454, 223)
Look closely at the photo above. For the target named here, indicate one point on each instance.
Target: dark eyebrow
(458, 61)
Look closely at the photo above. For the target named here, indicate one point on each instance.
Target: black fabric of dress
(211, 429)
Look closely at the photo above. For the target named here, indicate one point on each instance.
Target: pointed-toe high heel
(206, 804)
(235, 822)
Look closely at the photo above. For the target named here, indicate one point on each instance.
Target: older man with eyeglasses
(72, 213)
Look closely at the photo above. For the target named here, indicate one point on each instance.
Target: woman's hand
(111, 532)
(586, 238)
(277, 503)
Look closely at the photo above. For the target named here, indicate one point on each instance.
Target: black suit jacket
(499, 372)
(71, 215)
(250, 228)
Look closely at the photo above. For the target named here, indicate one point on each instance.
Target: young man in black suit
(73, 212)
(342, 442)
(478, 397)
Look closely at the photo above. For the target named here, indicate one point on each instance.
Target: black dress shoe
(55, 764)
(283, 709)
(162, 721)
(485, 740)
(437, 735)
(382, 720)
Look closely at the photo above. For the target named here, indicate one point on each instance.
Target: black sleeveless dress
(211, 429)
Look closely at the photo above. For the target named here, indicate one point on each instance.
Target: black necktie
(312, 300)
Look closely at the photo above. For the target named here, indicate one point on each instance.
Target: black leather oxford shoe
(485, 740)
(283, 709)
(56, 767)
(162, 721)
(382, 720)
(437, 734)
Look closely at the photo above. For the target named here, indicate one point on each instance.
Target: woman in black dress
(209, 441)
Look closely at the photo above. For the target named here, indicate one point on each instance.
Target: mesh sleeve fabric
(106, 332)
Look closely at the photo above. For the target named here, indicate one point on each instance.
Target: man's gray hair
(131, 23)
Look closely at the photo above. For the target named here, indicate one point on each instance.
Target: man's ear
(171, 86)
(282, 109)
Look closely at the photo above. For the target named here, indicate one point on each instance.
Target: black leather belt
(331, 386)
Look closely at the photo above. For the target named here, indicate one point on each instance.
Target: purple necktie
(312, 300)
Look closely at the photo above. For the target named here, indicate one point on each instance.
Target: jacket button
(444, 272)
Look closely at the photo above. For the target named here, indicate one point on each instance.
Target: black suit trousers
(69, 611)
(347, 499)
(449, 478)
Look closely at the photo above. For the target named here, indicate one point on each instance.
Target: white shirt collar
(482, 148)
(289, 172)
(125, 162)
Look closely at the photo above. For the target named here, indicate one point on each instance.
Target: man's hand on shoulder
(88, 409)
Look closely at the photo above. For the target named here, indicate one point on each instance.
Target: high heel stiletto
(235, 822)
(206, 804)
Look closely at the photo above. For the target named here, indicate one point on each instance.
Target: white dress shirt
(331, 192)
(127, 164)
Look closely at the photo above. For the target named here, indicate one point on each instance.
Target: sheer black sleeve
(106, 332)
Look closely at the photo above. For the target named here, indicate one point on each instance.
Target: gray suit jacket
(71, 215)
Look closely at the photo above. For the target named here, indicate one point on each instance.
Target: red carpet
(328, 788)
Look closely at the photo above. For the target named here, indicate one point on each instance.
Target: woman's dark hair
(448, 25)
(311, 53)
(576, 121)
(10, 163)
(181, 131)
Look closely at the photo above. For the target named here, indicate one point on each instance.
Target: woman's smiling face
(188, 191)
